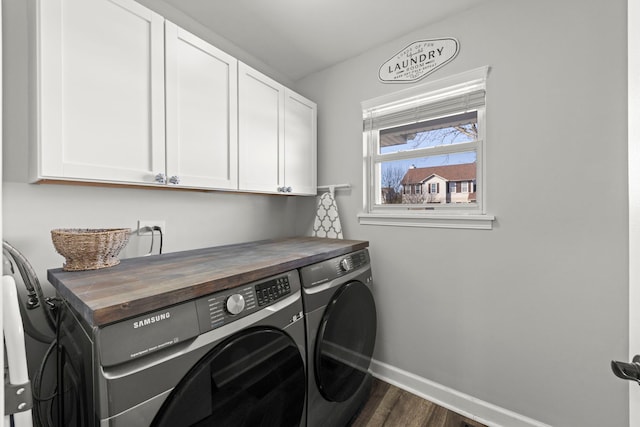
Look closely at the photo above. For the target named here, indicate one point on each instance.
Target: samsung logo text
(151, 320)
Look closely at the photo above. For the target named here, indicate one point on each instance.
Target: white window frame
(445, 215)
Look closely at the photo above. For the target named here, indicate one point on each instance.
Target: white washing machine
(341, 322)
(232, 358)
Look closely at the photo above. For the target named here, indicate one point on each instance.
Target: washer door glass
(345, 341)
(254, 378)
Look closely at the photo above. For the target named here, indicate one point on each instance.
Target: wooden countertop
(139, 285)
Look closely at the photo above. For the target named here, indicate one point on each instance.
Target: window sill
(463, 221)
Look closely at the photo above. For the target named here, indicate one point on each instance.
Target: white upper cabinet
(202, 112)
(300, 146)
(124, 96)
(261, 123)
(101, 91)
(276, 136)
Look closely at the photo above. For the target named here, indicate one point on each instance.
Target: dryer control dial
(346, 265)
(234, 304)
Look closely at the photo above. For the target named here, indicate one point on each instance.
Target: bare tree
(391, 184)
(444, 136)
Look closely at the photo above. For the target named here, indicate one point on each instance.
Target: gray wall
(526, 316)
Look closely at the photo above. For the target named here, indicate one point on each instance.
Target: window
(431, 135)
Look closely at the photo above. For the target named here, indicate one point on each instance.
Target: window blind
(423, 108)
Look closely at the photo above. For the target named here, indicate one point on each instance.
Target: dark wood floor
(390, 406)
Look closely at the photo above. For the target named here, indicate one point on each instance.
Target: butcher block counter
(139, 285)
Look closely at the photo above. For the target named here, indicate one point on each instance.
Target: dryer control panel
(326, 271)
(215, 310)
(224, 307)
(273, 290)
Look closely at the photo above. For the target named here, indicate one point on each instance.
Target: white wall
(634, 199)
(531, 321)
(1, 299)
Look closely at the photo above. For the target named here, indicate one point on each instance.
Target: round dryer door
(345, 341)
(254, 378)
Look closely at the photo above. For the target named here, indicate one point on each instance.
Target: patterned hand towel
(327, 222)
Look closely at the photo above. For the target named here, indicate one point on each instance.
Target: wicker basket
(89, 249)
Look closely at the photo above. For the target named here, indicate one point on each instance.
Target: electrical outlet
(149, 223)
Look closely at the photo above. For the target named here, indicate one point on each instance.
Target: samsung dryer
(232, 358)
(340, 319)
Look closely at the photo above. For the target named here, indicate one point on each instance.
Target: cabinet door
(300, 136)
(202, 113)
(260, 131)
(101, 91)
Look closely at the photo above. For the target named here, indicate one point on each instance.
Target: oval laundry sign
(418, 60)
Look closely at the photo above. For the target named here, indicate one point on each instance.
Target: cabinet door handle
(175, 179)
(161, 178)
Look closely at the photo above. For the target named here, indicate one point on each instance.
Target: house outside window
(455, 178)
(426, 144)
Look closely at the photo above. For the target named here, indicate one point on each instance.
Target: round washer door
(345, 342)
(253, 378)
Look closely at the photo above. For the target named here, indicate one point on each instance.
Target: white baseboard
(463, 404)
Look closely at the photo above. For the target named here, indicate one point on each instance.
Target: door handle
(627, 371)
